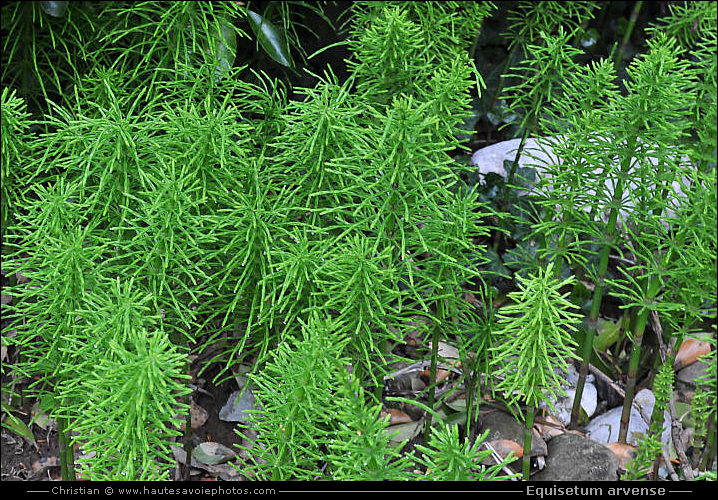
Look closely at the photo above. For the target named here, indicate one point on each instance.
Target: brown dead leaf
(449, 354)
(396, 416)
(441, 375)
(503, 447)
(690, 351)
(199, 415)
(44, 463)
(549, 426)
(625, 452)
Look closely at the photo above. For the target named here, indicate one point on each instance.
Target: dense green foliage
(159, 199)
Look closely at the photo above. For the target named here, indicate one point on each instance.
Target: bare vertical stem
(188, 433)
(632, 375)
(67, 454)
(652, 288)
(528, 436)
(710, 449)
(610, 234)
(629, 32)
(592, 323)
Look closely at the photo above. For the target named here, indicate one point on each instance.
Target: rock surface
(238, 410)
(589, 403)
(563, 404)
(690, 373)
(537, 153)
(575, 458)
(503, 425)
(491, 158)
(604, 428)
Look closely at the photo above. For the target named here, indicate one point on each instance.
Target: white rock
(237, 408)
(604, 428)
(538, 153)
(491, 158)
(562, 405)
(589, 401)
(572, 378)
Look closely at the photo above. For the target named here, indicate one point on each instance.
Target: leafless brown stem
(669, 465)
(676, 429)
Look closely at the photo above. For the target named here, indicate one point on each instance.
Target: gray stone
(690, 373)
(561, 405)
(491, 158)
(538, 153)
(503, 425)
(576, 458)
(564, 404)
(237, 411)
(605, 428)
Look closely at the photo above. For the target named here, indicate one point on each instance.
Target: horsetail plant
(447, 267)
(551, 62)
(360, 447)
(248, 220)
(53, 246)
(295, 282)
(152, 43)
(364, 293)
(649, 446)
(177, 197)
(168, 242)
(656, 114)
(15, 123)
(168, 239)
(136, 389)
(103, 144)
(319, 130)
(87, 342)
(43, 48)
(449, 28)
(294, 403)
(390, 56)
(477, 341)
(330, 408)
(533, 343)
(648, 122)
(447, 458)
(530, 22)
